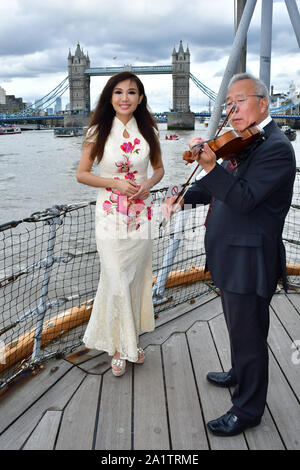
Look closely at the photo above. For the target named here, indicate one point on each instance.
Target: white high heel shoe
(121, 364)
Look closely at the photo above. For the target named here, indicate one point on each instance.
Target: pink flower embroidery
(119, 202)
(107, 206)
(149, 212)
(129, 220)
(136, 207)
(130, 176)
(127, 147)
(122, 205)
(124, 166)
(114, 197)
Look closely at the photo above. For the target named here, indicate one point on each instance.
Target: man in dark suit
(243, 243)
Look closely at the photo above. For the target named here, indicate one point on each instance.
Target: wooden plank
(284, 407)
(82, 354)
(21, 395)
(114, 423)
(295, 299)
(281, 345)
(44, 435)
(55, 399)
(98, 364)
(185, 417)
(78, 423)
(287, 314)
(265, 436)
(150, 414)
(182, 323)
(215, 401)
(186, 307)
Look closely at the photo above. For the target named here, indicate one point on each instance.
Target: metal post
(231, 66)
(294, 17)
(158, 289)
(42, 308)
(266, 42)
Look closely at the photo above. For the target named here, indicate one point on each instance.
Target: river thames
(38, 170)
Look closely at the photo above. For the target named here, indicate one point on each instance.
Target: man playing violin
(243, 243)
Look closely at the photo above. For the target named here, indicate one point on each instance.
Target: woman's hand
(126, 187)
(142, 192)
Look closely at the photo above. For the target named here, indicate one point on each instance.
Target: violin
(226, 146)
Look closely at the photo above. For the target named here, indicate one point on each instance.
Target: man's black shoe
(230, 425)
(221, 379)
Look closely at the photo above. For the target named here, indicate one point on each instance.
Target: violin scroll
(189, 157)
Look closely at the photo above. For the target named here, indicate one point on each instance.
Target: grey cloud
(127, 30)
(151, 35)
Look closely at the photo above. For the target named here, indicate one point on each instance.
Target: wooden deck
(76, 403)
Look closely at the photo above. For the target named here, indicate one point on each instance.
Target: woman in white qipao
(123, 136)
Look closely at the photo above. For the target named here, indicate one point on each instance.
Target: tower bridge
(138, 70)
(79, 83)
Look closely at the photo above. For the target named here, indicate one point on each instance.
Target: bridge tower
(181, 116)
(180, 75)
(78, 81)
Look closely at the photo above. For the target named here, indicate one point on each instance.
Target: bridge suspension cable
(47, 100)
(207, 91)
(285, 106)
(212, 95)
(62, 87)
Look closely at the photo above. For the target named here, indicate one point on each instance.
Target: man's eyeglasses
(239, 101)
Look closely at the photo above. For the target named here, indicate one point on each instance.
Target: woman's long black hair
(104, 114)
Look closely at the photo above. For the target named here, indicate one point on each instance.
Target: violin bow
(232, 111)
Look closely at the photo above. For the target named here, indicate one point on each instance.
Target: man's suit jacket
(243, 240)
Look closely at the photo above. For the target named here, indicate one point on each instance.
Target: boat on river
(9, 129)
(172, 137)
(68, 131)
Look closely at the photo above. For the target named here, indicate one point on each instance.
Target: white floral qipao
(123, 302)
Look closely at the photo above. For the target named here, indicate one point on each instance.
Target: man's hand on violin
(195, 141)
(206, 158)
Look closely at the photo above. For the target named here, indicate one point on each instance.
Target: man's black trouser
(247, 319)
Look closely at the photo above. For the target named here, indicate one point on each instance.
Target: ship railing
(50, 269)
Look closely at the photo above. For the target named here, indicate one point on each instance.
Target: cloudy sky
(35, 38)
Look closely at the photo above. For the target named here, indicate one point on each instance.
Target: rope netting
(50, 269)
